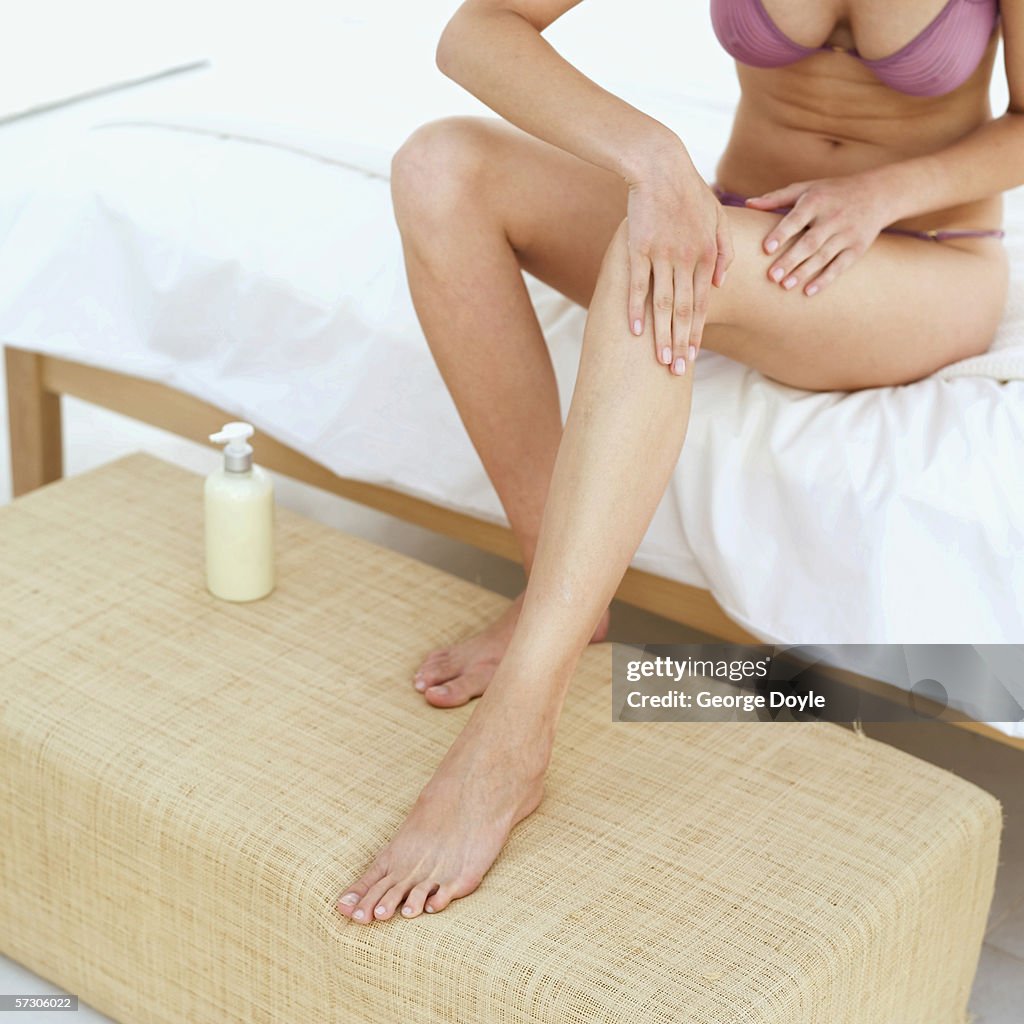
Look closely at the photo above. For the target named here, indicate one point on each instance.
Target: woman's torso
(829, 114)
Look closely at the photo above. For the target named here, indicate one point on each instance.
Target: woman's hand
(834, 221)
(679, 246)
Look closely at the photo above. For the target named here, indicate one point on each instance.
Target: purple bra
(940, 58)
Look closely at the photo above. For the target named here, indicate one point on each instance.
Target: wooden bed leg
(34, 422)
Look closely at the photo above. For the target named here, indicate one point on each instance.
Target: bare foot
(452, 676)
(485, 785)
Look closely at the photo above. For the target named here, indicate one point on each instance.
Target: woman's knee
(438, 166)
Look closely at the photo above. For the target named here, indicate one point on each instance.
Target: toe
(356, 893)
(413, 905)
(447, 892)
(418, 680)
(392, 900)
(459, 690)
(437, 671)
(364, 911)
(439, 900)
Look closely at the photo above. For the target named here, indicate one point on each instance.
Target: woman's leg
(598, 508)
(477, 201)
(898, 314)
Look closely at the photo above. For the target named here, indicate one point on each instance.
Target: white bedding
(54, 52)
(252, 263)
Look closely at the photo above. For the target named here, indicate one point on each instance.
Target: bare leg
(602, 498)
(476, 202)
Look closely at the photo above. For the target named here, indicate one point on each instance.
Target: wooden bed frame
(36, 381)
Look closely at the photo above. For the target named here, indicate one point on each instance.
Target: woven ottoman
(188, 785)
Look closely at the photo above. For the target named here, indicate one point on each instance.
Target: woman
(865, 127)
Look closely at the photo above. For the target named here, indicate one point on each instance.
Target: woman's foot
(488, 782)
(452, 676)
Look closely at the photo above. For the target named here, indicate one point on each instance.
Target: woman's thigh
(906, 308)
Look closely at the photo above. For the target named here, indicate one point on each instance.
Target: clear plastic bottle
(239, 521)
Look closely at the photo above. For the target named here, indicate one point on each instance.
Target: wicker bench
(187, 786)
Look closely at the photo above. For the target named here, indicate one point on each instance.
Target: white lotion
(239, 517)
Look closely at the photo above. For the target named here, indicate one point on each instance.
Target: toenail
(407, 911)
(440, 689)
(381, 911)
(349, 898)
(429, 910)
(420, 685)
(359, 915)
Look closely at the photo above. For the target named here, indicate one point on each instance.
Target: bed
(218, 243)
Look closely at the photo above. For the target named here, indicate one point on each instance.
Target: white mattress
(252, 260)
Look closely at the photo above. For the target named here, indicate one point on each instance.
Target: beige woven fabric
(189, 784)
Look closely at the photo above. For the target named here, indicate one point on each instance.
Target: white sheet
(53, 52)
(269, 280)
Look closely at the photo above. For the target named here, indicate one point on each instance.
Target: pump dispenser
(238, 453)
(239, 513)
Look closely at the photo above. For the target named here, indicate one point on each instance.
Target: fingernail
(358, 915)
(812, 290)
(777, 274)
(406, 911)
(666, 355)
(680, 366)
(789, 282)
(771, 245)
(724, 273)
(692, 354)
(380, 911)
(637, 327)
(349, 898)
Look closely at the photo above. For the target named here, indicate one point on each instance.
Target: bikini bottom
(727, 198)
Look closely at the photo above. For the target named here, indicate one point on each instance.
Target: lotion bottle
(239, 521)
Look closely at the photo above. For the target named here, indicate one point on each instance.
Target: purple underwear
(735, 199)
